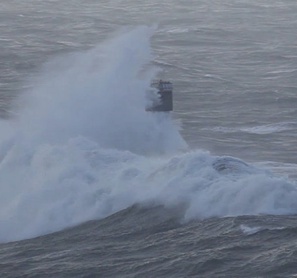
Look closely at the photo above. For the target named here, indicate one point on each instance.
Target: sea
(94, 185)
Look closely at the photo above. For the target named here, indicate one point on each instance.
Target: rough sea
(93, 185)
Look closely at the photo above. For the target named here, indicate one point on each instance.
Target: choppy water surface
(92, 185)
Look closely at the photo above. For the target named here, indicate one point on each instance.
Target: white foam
(270, 128)
(250, 230)
(260, 129)
(247, 230)
(84, 148)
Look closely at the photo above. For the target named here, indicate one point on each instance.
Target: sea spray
(84, 147)
(100, 94)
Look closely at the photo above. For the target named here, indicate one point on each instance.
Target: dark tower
(165, 101)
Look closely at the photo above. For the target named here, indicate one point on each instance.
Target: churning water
(92, 185)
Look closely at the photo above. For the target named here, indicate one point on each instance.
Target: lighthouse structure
(164, 103)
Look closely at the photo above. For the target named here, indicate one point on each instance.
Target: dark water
(93, 186)
(142, 242)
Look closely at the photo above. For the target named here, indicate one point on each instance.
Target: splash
(84, 147)
(100, 94)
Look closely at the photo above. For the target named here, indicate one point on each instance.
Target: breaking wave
(83, 147)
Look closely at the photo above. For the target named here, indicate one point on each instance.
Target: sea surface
(93, 185)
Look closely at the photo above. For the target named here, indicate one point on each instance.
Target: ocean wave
(84, 148)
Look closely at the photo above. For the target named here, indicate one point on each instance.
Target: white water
(253, 230)
(83, 147)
